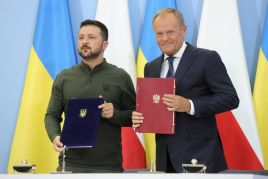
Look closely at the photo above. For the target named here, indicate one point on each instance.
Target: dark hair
(103, 28)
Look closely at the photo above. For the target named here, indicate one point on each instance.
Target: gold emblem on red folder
(156, 98)
(83, 113)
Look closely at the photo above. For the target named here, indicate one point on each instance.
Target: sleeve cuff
(192, 111)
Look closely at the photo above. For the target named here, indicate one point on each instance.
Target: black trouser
(170, 168)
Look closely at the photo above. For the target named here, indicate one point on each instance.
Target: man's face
(169, 33)
(90, 42)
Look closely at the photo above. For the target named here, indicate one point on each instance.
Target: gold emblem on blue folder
(83, 113)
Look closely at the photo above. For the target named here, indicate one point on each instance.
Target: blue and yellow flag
(53, 50)
(148, 51)
(260, 93)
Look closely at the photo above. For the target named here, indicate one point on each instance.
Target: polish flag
(220, 31)
(115, 15)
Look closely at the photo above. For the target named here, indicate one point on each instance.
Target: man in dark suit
(203, 89)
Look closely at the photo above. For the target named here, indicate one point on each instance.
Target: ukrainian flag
(52, 51)
(260, 93)
(148, 51)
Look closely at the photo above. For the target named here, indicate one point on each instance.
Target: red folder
(157, 119)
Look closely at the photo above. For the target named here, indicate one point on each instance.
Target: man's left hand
(176, 103)
(107, 110)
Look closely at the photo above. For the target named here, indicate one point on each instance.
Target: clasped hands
(173, 102)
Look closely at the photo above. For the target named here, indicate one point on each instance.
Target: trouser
(169, 168)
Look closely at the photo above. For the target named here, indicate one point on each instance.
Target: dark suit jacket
(202, 77)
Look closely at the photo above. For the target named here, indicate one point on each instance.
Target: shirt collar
(179, 53)
(84, 65)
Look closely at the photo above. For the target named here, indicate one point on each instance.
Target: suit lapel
(158, 65)
(185, 63)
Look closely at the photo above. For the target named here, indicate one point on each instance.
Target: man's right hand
(137, 119)
(58, 146)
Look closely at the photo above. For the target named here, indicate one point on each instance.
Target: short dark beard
(90, 56)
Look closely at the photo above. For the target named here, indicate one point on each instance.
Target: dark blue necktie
(170, 73)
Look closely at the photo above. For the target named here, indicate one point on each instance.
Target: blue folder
(81, 123)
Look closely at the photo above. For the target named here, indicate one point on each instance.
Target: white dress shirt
(165, 66)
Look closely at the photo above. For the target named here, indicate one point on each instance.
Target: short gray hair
(177, 13)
